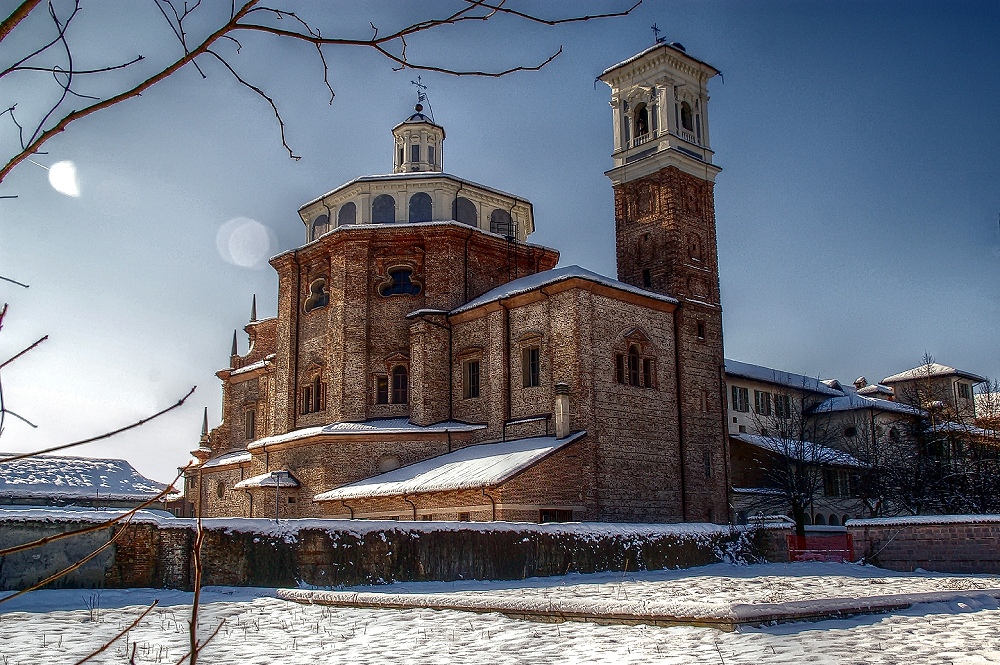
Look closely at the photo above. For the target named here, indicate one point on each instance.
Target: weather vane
(656, 35)
(422, 97)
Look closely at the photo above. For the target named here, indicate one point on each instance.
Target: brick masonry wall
(949, 547)
(151, 555)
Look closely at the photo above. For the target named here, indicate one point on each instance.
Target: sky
(858, 209)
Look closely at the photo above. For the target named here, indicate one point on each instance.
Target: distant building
(59, 480)
(427, 362)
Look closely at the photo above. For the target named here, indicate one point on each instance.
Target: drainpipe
(344, 504)
(493, 502)
(413, 505)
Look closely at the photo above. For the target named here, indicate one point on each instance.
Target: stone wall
(156, 553)
(948, 543)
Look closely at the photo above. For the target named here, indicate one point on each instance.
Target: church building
(428, 362)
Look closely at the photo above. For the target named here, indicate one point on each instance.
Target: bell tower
(663, 179)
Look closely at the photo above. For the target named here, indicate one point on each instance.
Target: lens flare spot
(62, 177)
(244, 242)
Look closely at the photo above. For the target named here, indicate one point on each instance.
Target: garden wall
(942, 543)
(156, 552)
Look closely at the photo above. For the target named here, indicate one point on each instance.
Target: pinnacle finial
(235, 351)
(253, 309)
(204, 424)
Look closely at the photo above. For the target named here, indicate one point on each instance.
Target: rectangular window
(647, 372)
(783, 406)
(250, 425)
(964, 391)
(430, 154)
(620, 367)
(426, 518)
(400, 155)
(762, 403)
(708, 464)
(464, 517)
(701, 330)
(382, 389)
(471, 379)
(741, 399)
(546, 515)
(531, 365)
(415, 152)
(704, 401)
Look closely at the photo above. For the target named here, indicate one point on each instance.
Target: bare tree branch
(22, 352)
(240, 20)
(19, 14)
(119, 635)
(106, 435)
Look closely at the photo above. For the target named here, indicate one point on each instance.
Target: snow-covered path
(57, 626)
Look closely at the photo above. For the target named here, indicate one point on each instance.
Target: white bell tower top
(419, 144)
(660, 106)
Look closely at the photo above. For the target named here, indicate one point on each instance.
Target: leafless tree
(793, 452)
(207, 30)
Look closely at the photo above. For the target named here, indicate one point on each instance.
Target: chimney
(562, 410)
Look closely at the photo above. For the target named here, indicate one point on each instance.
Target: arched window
(420, 207)
(686, 120)
(641, 116)
(320, 226)
(348, 214)
(834, 520)
(820, 520)
(400, 385)
(318, 295)
(399, 284)
(633, 365)
(500, 222)
(384, 209)
(463, 210)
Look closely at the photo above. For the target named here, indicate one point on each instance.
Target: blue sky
(857, 210)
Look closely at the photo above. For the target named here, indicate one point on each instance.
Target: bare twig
(23, 351)
(119, 635)
(205, 643)
(196, 560)
(106, 435)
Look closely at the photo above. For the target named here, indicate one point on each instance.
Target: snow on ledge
(917, 520)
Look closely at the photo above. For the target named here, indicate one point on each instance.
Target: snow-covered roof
(855, 401)
(778, 377)
(876, 389)
(673, 46)
(237, 457)
(807, 451)
(474, 467)
(961, 428)
(260, 364)
(929, 370)
(376, 426)
(546, 277)
(65, 477)
(269, 479)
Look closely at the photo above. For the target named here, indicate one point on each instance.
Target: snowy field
(64, 625)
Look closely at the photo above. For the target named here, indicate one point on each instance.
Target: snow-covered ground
(61, 626)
